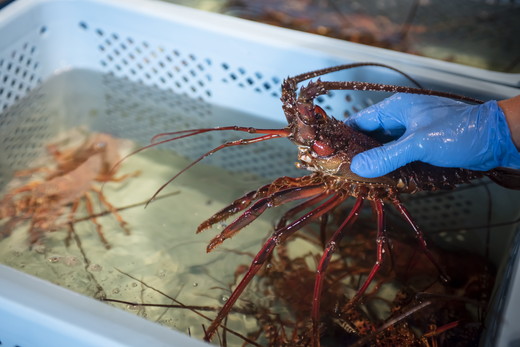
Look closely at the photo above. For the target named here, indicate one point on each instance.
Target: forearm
(511, 108)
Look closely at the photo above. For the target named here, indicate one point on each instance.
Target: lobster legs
(320, 200)
(260, 206)
(279, 235)
(324, 262)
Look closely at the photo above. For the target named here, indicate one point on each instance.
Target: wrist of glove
(438, 131)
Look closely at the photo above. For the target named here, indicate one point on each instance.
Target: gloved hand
(438, 131)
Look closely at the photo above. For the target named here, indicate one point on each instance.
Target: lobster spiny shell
(347, 142)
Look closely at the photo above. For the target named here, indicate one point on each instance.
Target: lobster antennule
(187, 133)
(191, 132)
(120, 161)
(271, 133)
(224, 145)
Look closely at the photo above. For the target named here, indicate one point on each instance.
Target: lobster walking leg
(244, 201)
(264, 253)
(99, 228)
(323, 264)
(420, 238)
(112, 209)
(260, 206)
(295, 210)
(236, 206)
(381, 241)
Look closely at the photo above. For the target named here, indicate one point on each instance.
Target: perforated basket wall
(137, 68)
(238, 70)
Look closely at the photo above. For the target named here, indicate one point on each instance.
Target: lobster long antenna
(312, 74)
(250, 130)
(378, 87)
(224, 145)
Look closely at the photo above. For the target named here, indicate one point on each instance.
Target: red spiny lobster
(50, 202)
(326, 147)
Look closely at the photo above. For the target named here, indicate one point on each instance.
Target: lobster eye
(322, 148)
(319, 113)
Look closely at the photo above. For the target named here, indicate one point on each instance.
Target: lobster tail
(506, 177)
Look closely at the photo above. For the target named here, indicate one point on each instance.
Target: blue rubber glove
(438, 131)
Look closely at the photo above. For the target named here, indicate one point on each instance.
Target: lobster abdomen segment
(506, 177)
(419, 176)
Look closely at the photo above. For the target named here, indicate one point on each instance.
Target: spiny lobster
(326, 147)
(51, 202)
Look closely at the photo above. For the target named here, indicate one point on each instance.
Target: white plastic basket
(213, 59)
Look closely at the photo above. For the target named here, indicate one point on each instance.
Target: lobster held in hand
(326, 147)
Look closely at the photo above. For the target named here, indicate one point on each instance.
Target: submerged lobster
(326, 147)
(49, 203)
